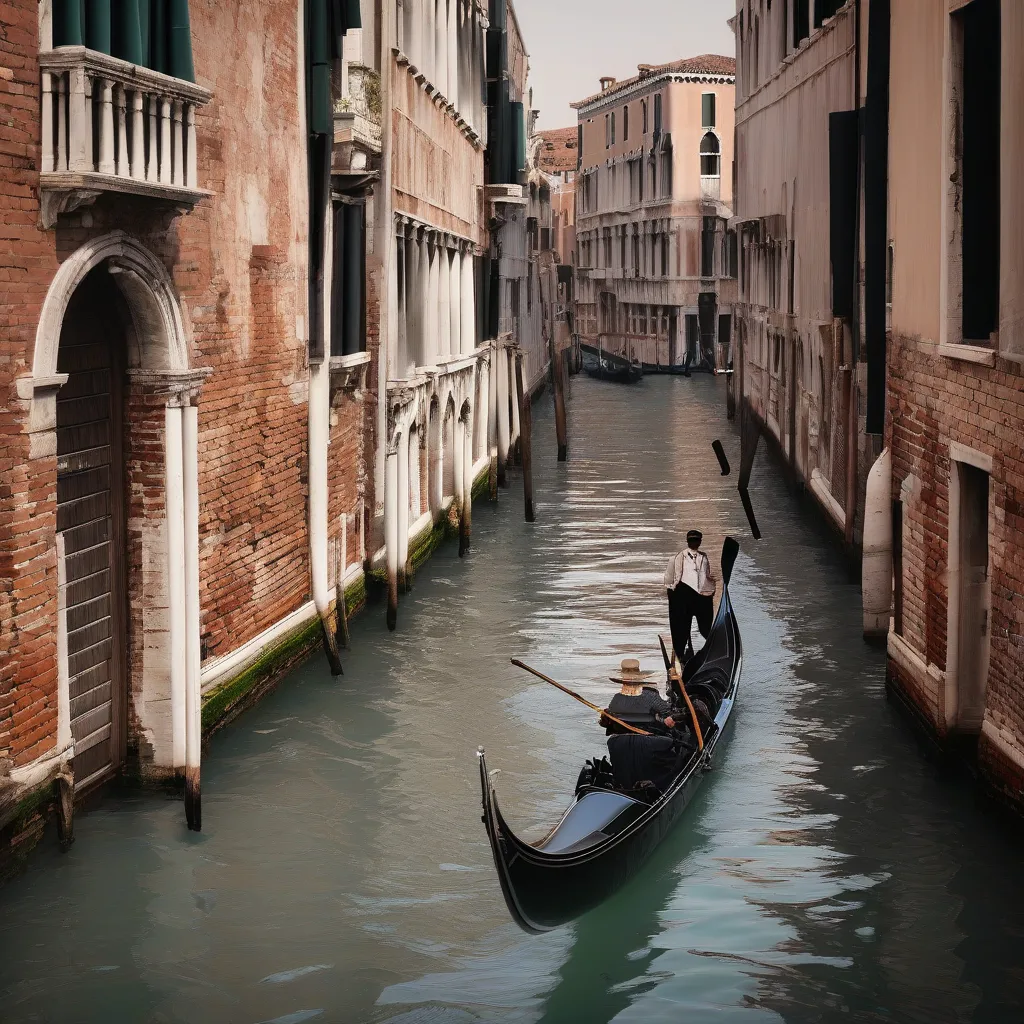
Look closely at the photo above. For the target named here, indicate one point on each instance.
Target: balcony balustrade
(112, 126)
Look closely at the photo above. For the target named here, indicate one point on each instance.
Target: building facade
(248, 365)
(162, 529)
(655, 258)
(810, 215)
(953, 471)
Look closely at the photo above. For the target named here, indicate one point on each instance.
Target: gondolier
(691, 593)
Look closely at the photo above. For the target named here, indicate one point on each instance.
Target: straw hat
(630, 674)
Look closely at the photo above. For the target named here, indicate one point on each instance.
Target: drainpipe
(175, 512)
(193, 696)
(319, 416)
(876, 561)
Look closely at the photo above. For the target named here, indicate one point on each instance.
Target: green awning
(154, 34)
(518, 139)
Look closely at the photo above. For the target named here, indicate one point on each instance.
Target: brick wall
(932, 401)
(238, 263)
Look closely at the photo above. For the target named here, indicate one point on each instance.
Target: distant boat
(607, 833)
(616, 368)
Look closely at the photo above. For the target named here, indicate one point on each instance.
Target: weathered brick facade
(237, 264)
(955, 411)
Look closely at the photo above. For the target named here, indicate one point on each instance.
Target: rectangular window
(801, 21)
(657, 116)
(707, 247)
(607, 130)
(529, 289)
(636, 251)
(733, 255)
(976, 28)
(613, 129)
(625, 123)
(664, 255)
(348, 311)
(622, 248)
(707, 106)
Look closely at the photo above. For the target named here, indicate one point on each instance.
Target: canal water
(825, 872)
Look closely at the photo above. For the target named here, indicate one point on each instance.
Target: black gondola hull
(572, 870)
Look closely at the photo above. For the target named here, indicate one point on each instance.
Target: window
(636, 250)
(643, 116)
(607, 130)
(348, 315)
(515, 298)
(710, 156)
(529, 289)
(622, 247)
(657, 115)
(707, 108)
(612, 116)
(607, 239)
(664, 255)
(707, 247)
(666, 169)
(625, 123)
(976, 38)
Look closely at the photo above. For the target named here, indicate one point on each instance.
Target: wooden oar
(582, 700)
(674, 674)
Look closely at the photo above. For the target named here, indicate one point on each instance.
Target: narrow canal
(825, 871)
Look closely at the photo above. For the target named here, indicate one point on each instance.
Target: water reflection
(824, 871)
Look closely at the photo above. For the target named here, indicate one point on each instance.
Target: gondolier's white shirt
(693, 569)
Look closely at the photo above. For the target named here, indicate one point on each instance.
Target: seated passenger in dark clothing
(637, 702)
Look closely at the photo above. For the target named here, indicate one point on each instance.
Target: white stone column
(482, 411)
(441, 46)
(444, 310)
(174, 511)
(453, 52)
(430, 311)
(427, 42)
(413, 299)
(501, 398)
(193, 662)
(403, 505)
(391, 531)
(456, 303)
(469, 339)
(401, 287)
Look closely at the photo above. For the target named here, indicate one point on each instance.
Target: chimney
(607, 82)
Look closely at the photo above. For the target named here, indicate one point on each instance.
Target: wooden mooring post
(559, 377)
(339, 588)
(525, 433)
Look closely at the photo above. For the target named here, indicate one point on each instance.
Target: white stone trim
(979, 354)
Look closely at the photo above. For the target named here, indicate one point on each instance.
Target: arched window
(613, 129)
(625, 123)
(710, 156)
(643, 115)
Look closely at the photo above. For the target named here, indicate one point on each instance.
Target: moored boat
(606, 834)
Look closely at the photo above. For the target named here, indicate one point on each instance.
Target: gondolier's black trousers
(685, 605)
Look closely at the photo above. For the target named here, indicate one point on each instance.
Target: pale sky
(572, 43)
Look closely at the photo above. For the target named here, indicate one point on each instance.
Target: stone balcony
(111, 126)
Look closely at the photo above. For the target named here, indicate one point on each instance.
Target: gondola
(605, 835)
(619, 372)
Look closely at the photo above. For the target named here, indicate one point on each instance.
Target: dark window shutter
(708, 110)
(842, 157)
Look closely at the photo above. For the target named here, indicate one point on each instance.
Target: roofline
(636, 85)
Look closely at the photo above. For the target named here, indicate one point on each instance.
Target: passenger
(638, 697)
(691, 594)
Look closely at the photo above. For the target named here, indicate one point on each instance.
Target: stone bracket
(348, 374)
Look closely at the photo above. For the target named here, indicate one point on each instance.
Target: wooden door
(973, 633)
(90, 517)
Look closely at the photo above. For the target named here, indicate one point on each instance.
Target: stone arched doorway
(114, 399)
(91, 509)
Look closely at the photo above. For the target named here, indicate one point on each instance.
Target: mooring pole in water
(558, 376)
(526, 430)
(339, 588)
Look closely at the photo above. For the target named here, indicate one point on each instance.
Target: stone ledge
(978, 354)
